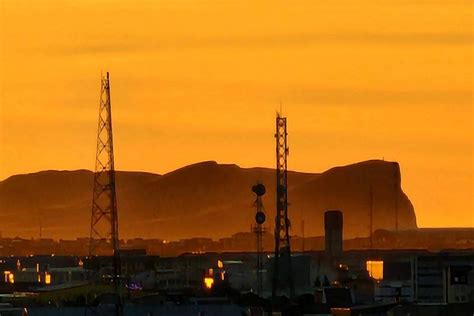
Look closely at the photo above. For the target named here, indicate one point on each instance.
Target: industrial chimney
(333, 233)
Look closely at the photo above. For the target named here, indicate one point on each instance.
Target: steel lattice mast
(104, 221)
(282, 279)
(259, 230)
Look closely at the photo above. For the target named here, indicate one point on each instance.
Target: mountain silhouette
(206, 199)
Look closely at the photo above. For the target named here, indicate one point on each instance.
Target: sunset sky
(202, 80)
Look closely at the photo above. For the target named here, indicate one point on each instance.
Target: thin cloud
(138, 45)
(381, 98)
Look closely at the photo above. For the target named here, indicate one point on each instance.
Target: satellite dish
(260, 217)
(259, 189)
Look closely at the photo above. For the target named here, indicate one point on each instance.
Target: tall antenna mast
(371, 222)
(282, 279)
(302, 235)
(258, 229)
(40, 222)
(397, 191)
(104, 220)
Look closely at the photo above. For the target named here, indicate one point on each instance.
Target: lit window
(7, 273)
(47, 278)
(208, 282)
(11, 278)
(375, 269)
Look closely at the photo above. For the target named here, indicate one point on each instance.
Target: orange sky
(202, 80)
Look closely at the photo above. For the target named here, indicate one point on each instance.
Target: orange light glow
(9, 277)
(375, 269)
(47, 278)
(7, 273)
(208, 282)
(220, 264)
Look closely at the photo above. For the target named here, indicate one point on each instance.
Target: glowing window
(375, 269)
(47, 278)
(11, 278)
(208, 282)
(7, 274)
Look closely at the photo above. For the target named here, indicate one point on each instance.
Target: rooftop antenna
(40, 221)
(40, 226)
(258, 229)
(396, 176)
(371, 222)
(302, 236)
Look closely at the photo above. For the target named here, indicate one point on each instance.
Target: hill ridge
(203, 199)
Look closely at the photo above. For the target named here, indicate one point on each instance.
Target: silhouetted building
(333, 226)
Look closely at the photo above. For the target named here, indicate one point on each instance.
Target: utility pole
(397, 192)
(302, 235)
(371, 222)
(40, 219)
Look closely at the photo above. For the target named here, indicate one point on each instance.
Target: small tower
(258, 229)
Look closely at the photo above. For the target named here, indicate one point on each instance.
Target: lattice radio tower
(104, 221)
(282, 280)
